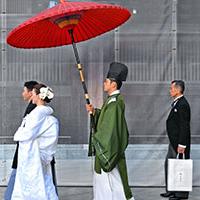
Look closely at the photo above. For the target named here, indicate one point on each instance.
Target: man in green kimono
(110, 140)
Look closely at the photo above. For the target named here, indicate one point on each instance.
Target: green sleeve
(91, 150)
(96, 116)
(111, 138)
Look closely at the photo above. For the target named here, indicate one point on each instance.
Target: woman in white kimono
(37, 136)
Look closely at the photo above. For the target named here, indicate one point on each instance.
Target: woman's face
(35, 97)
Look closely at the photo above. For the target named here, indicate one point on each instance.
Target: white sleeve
(31, 128)
(183, 146)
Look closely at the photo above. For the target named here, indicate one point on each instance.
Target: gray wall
(160, 43)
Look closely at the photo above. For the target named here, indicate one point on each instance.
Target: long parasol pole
(80, 68)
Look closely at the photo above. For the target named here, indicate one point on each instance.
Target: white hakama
(108, 186)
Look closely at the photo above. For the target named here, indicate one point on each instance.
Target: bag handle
(177, 157)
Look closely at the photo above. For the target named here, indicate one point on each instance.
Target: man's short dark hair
(180, 84)
(30, 84)
(118, 83)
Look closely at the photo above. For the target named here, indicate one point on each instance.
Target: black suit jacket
(29, 108)
(178, 125)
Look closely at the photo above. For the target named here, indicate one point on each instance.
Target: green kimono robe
(111, 139)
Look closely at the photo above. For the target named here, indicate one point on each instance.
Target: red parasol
(50, 27)
(68, 23)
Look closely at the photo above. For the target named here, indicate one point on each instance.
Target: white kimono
(37, 136)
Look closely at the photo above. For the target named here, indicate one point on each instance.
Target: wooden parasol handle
(80, 68)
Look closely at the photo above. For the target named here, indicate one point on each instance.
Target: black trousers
(53, 171)
(172, 154)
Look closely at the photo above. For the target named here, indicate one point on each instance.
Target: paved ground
(85, 193)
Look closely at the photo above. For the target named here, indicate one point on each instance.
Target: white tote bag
(179, 174)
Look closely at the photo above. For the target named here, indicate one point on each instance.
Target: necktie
(174, 103)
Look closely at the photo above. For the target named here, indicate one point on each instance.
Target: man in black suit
(178, 130)
(26, 94)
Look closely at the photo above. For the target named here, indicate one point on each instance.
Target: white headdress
(46, 92)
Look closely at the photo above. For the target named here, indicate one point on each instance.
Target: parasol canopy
(50, 28)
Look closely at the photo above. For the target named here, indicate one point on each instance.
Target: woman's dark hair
(37, 88)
